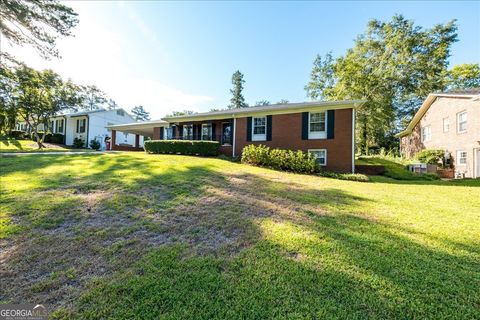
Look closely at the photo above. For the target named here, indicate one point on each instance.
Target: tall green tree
(8, 105)
(92, 98)
(464, 76)
(40, 95)
(322, 78)
(36, 23)
(140, 114)
(237, 100)
(393, 65)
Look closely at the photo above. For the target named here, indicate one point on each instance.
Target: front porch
(210, 130)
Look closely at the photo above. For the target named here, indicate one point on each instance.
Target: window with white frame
(206, 131)
(317, 125)
(320, 156)
(81, 124)
(461, 157)
(59, 126)
(259, 128)
(462, 122)
(426, 134)
(446, 124)
(188, 132)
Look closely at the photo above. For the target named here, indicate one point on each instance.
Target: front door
(227, 133)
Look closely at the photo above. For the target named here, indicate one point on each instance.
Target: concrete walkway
(55, 153)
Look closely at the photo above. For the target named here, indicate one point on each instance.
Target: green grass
(395, 168)
(12, 145)
(131, 235)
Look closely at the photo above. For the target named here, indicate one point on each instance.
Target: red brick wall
(156, 133)
(287, 134)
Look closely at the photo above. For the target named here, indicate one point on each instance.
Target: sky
(171, 56)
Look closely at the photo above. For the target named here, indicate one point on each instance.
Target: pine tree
(140, 114)
(237, 100)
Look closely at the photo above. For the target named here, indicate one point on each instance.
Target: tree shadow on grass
(216, 244)
(10, 142)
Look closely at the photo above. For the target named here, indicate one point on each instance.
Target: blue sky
(181, 55)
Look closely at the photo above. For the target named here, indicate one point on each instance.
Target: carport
(146, 129)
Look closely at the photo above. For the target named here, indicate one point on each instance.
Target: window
(462, 157)
(125, 137)
(426, 134)
(320, 156)
(81, 125)
(206, 131)
(50, 126)
(227, 134)
(317, 125)
(259, 128)
(188, 132)
(462, 122)
(446, 124)
(59, 126)
(120, 113)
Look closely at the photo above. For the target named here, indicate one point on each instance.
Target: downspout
(353, 140)
(234, 135)
(65, 130)
(88, 129)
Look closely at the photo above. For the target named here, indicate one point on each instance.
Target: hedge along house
(451, 122)
(325, 129)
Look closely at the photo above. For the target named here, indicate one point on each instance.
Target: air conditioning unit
(459, 174)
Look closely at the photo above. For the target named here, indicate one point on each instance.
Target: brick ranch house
(325, 129)
(450, 122)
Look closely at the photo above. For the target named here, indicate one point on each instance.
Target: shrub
(430, 156)
(94, 144)
(188, 147)
(78, 143)
(17, 134)
(286, 160)
(345, 176)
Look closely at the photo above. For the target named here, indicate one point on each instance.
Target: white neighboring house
(91, 125)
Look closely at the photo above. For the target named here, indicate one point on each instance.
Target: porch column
(137, 141)
(156, 133)
(114, 138)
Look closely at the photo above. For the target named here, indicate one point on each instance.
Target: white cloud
(96, 55)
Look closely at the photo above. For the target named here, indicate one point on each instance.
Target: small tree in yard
(95, 145)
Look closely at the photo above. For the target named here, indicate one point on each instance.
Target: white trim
(326, 155)
(458, 121)
(426, 136)
(317, 134)
(259, 137)
(234, 135)
(353, 140)
(457, 160)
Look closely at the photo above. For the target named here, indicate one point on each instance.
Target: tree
(322, 78)
(464, 76)
(262, 103)
(392, 65)
(111, 104)
(36, 23)
(140, 114)
(181, 113)
(283, 101)
(8, 105)
(40, 95)
(92, 98)
(237, 100)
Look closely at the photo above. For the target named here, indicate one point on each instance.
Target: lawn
(130, 235)
(12, 145)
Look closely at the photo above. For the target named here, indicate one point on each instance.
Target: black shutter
(330, 124)
(194, 132)
(304, 125)
(161, 133)
(249, 128)
(214, 136)
(269, 128)
(174, 133)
